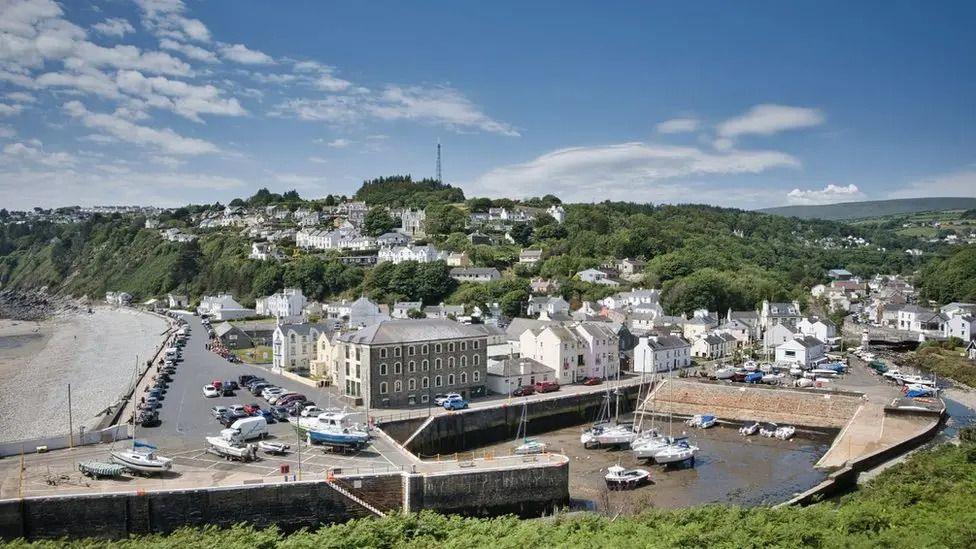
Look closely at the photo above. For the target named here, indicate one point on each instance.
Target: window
(424, 382)
(357, 353)
(383, 369)
(450, 380)
(411, 367)
(424, 398)
(292, 337)
(464, 378)
(464, 345)
(397, 368)
(425, 365)
(450, 347)
(476, 360)
(450, 362)
(347, 352)
(383, 387)
(411, 384)
(411, 350)
(464, 361)
(424, 349)
(383, 352)
(437, 381)
(437, 347)
(397, 351)
(437, 364)
(476, 376)
(397, 386)
(474, 344)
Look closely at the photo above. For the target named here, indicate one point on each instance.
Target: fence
(110, 434)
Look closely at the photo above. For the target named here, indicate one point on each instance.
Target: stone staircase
(355, 498)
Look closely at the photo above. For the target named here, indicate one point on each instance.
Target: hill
(873, 208)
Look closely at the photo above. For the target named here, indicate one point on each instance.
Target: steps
(419, 430)
(357, 499)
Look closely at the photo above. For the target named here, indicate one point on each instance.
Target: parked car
(592, 381)
(237, 408)
(268, 416)
(218, 411)
(439, 399)
(524, 390)
(285, 399)
(216, 383)
(210, 391)
(231, 384)
(280, 413)
(270, 391)
(227, 419)
(254, 382)
(311, 411)
(242, 380)
(455, 403)
(251, 408)
(227, 391)
(257, 388)
(274, 398)
(546, 387)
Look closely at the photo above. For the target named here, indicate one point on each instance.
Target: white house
(962, 326)
(401, 309)
(420, 254)
(575, 351)
(820, 328)
(287, 305)
(340, 239)
(479, 275)
(805, 351)
(557, 212)
(530, 257)
(919, 319)
(550, 305)
(661, 354)
(364, 312)
(412, 223)
(264, 251)
(778, 313)
(177, 301)
(294, 345)
(223, 307)
(510, 373)
(714, 345)
(458, 259)
(392, 239)
(595, 276)
(779, 334)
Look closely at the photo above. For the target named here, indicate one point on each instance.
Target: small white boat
(785, 432)
(803, 382)
(702, 421)
(231, 449)
(142, 462)
(768, 430)
(275, 448)
(773, 379)
(530, 446)
(824, 372)
(676, 452)
(614, 435)
(750, 366)
(796, 371)
(619, 478)
(749, 430)
(724, 373)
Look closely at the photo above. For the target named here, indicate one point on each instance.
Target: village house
(339, 239)
(804, 351)
(737, 329)
(223, 307)
(265, 251)
(700, 323)
(444, 311)
(594, 276)
(177, 301)
(711, 346)
(392, 239)
(772, 314)
(478, 275)
(406, 362)
(544, 285)
(661, 353)
(401, 309)
(420, 254)
(557, 212)
(412, 223)
(364, 312)
(820, 328)
(750, 319)
(549, 306)
(530, 257)
(574, 350)
(510, 373)
(918, 319)
(458, 259)
(779, 334)
(287, 306)
(294, 345)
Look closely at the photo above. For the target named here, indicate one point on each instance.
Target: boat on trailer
(619, 478)
(142, 460)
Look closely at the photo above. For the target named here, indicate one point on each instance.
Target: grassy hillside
(873, 208)
(925, 502)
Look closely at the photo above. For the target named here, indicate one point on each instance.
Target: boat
(773, 379)
(915, 391)
(785, 432)
(619, 478)
(824, 372)
(768, 429)
(142, 458)
(677, 452)
(606, 432)
(275, 448)
(335, 428)
(724, 373)
(750, 366)
(231, 449)
(754, 377)
(749, 430)
(702, 421)
(664, 450)
(98, 470)
(803, 382)
(796, 371)
(529, 445)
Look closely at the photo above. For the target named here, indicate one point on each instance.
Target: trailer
(231, 450)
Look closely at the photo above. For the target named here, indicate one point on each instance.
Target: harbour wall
(536, 485)
(57, 442)
(466, 429)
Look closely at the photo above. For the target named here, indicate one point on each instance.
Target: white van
(247, 428)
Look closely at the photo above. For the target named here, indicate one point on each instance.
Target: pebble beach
(96, 353)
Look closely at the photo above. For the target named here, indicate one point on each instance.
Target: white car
(270, 394)
(275, 398)
(216, 411)
(440, 400)
(239, 408)
(210, 391)
(312, 411)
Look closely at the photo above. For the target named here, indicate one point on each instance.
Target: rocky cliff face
(33, 304)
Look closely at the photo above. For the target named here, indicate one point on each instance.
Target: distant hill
(873, 208)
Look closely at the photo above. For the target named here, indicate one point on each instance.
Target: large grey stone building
(407, 362)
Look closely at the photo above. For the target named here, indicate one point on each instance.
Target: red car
(251, 408)
(217, 384)
(546, 387)
(523, 391)
(592, 381)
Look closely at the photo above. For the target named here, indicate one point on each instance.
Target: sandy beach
(96, 353)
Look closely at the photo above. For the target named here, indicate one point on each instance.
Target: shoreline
(89, 351)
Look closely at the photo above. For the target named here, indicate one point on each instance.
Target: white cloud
(115, 27)
(34, 152)
(164, 139)
(91, 81)
(10, 110)
(959, 183)
(330, 83)
(239, 53)
(6, 132)
(165, 19)
(334, 109)
(184, 99)
(678, 125)
(440, 105)
(189, 50)
(627, 171)
(770, 119)
(318, 160)
(831, 194)
(21, 97)
(339, 143)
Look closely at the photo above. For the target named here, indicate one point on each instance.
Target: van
(249, 428)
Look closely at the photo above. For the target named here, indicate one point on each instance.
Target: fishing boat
(796, 371)
(785, 432)
(336, 428)
(702, 421)
(619, 478)
(142, 458)
(724, 373)
(749, 430)
(528, 445)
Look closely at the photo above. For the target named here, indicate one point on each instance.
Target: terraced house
(407, 362)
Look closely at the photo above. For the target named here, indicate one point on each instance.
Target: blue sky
(746, 104)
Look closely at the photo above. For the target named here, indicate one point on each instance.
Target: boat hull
(133, 463)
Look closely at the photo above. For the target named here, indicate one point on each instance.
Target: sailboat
(529, 445)
(668, 449)
(607, 433)
(142, 456)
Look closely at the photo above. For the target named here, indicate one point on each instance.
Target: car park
(210, 391)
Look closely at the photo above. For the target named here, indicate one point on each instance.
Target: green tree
(444, 219)
(378, 221)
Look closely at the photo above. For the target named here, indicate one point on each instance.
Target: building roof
(306, 328)
(408, 305)
(409, 330)
(475, 271)
(513, 366)
(806, 341)
(666, 342)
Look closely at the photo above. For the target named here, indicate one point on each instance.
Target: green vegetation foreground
(928, 501)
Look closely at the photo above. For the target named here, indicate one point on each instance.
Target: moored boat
(749, 430)
(785, 432)
(619, 478)
(702, 421)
